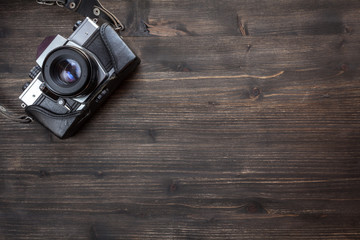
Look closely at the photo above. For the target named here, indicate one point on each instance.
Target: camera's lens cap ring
(52, 79)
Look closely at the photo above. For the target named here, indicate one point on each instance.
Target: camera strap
(87, 8)
(20, 119)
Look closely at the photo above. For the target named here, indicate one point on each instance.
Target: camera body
(74, 76)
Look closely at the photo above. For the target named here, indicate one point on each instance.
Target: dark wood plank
(242, 122)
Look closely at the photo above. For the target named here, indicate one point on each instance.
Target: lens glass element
(68, 71)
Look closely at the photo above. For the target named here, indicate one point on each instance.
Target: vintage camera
(74, 76)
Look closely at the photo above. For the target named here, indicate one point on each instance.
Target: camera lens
(68, 71)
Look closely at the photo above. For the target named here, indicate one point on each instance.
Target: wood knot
(152, 135)
(255, 93)
(43, 173)
(182, 67)
(254, 208)
(248, 47)
(342, 43)
(173, 187)
(166, 29)
(348, 30)
(344, 67)
(213, 103)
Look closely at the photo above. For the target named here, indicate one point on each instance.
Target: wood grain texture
(242, 122)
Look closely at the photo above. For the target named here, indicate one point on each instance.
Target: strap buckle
(88, 8)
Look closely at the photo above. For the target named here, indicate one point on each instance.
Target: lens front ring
(69, 72)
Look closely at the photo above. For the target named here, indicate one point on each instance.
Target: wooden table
(242, 122)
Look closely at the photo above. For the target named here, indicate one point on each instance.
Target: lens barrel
(69, 72)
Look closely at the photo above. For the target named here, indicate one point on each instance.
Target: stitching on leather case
(103, 36)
